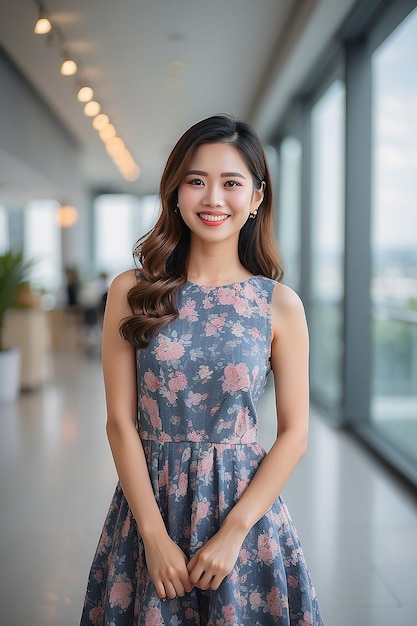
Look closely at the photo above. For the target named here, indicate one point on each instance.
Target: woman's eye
(195, 181)
(232, 183)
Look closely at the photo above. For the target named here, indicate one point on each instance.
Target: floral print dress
(199, 382)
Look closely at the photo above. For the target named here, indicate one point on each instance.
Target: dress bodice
(201, 376)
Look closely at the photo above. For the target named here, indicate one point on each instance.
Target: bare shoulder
(287, 310)
(118, 290)
(123, 282)
(285, 300)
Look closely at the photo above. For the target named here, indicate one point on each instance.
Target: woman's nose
(214, 196)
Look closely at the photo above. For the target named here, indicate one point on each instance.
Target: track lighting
(100, 121)
(85, 94)
(107, 133)
(42, 26)
(130, 174)
(68, 67)
(114, 145)
(92, 108)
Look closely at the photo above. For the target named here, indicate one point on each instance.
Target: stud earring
(177, 209)
(254, 214)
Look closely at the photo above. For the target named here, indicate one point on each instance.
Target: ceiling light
(131, 174)
(115, 145)
(92, 108)
(100, 121)
(68, 68)
(123, 158)
(85, 94)
(108, 132)
(67, 216)
(42, 26)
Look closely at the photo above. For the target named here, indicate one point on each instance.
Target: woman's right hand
(167, 566)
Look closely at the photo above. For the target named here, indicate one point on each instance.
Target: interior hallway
(357, 522)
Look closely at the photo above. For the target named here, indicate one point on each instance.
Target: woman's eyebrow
(223, 174)
(232, 174)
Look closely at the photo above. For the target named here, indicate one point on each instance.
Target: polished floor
(357, 522)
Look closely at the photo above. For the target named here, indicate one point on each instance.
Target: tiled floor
(358, 525)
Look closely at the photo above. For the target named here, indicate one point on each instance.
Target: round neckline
(236, 282)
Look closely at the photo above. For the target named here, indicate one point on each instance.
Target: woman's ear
(258, 196)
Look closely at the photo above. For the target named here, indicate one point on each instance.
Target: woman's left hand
(215, 560)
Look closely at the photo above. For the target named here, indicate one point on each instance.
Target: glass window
(394, 238)
(120, 220)
(327, 242)
(4, 230)
(147, 215)
(42, 242)
(289, 207)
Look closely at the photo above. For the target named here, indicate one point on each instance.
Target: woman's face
(217, 193)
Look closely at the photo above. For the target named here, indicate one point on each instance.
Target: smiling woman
(197, 532)
(164, 253)
(223, 190)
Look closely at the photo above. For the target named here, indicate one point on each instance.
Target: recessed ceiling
(156, 67)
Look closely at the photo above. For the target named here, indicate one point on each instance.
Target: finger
(160, 589)
(179, 587)
(191, 563)
(186, 583)
(216, 581)
(204, 581)
(170, 589)
(196, 575)
(198, 566)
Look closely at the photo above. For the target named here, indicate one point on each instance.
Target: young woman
(197, 532)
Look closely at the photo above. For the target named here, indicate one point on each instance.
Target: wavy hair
(162, 254)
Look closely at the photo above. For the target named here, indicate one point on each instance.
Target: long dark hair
(163, 252)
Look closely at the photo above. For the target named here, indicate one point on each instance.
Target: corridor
(357, 522)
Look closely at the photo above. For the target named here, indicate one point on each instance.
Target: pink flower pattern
(154, 617)
(199, 383)
(188, 311)
(178, 381)
(267, 548)
(121, 593)
(214, 325)
(236, 377)
(151, 381)
(167, 349)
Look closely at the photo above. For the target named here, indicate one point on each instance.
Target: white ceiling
(238, 58)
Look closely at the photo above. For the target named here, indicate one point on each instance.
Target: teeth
(213, 218)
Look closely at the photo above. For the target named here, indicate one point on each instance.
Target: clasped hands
(173, 575)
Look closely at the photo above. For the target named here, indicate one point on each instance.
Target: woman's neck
(215, 269)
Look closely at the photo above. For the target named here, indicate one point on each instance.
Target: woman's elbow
(298, 441)
(117, 425)
(303, 443)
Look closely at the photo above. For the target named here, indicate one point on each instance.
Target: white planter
(9, 374)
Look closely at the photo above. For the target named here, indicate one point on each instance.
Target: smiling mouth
(207, 217)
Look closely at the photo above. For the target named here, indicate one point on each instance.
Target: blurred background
(93, 96)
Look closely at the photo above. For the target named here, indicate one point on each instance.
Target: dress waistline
(200, 442)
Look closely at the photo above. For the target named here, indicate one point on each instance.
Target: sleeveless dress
(199, 382)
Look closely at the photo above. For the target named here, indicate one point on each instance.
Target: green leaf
(14, 269)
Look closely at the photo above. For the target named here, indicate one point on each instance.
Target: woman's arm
(289, 357)
(165, 561)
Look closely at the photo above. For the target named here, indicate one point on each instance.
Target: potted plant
(14, 269)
